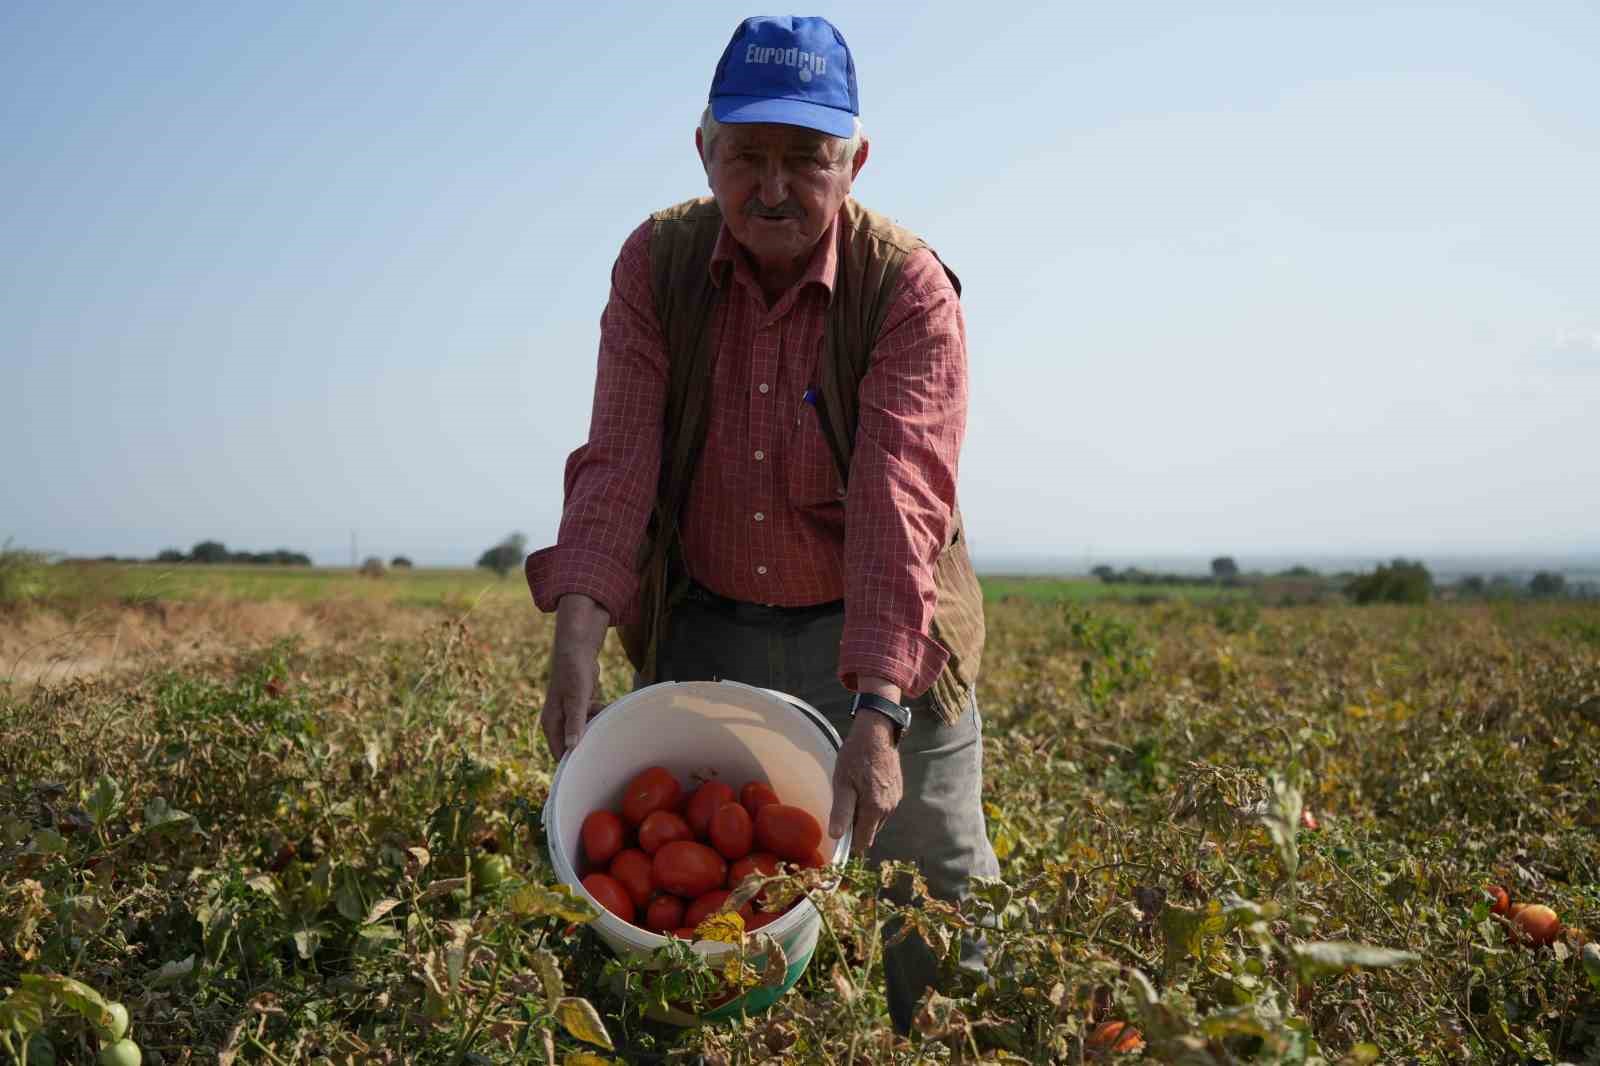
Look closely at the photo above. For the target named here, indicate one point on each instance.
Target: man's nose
(774, 184)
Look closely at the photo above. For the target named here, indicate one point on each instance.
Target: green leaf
(25, 1009)
(104, 800)
(1591, 963)
(159, 816)
(578, 1017)
(1283, 821)
(585, 1058)
(1186, 930)
(1321, 957)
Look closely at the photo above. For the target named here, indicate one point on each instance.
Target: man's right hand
(574, 671)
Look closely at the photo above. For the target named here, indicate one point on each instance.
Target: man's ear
(699, 150)
(860, 160)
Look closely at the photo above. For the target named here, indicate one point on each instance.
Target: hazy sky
(1236, 280)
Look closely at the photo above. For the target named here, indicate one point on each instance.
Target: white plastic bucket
(699, 730)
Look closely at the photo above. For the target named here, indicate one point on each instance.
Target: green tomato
(118, 1027)
(489, 870)
(123, 1053)
(1591, 962)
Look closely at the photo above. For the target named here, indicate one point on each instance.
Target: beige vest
(872, 250)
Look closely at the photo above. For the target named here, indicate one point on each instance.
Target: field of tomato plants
(1253, 835)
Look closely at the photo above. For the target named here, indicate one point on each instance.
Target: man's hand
(574, 671)
(866, 777)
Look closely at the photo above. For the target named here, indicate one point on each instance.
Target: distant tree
(1547, 584)
(171, 555)
(1399, 582)
(400, 562)
(1223, 568)
(1104, 573)
(209, 551)
(1472, 585)
(372, 566)
(505, 556)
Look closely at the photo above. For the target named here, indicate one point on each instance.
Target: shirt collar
(821, 270)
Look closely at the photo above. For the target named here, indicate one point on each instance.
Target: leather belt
(698, 593)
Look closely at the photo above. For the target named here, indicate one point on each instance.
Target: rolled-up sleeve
(902, 491)
(610, 481)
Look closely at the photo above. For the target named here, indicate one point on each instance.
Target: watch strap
(871, 701)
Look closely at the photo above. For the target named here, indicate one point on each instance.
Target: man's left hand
(866, 780)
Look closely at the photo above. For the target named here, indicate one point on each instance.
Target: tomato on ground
(1116, 1037)
(654, 789)
(610, 894)
(664, 913)
(688, 868)
(662, 827)
(603, 834)
(1537, 924)
(631, 868)
(788, 832)
(756, 795)
(703, 907)
(704, 803)
(732, 831)
(1499, 899)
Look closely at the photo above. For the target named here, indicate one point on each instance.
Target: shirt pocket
(812, 475)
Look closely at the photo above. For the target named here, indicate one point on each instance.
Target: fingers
(844, 809)
(577, 717)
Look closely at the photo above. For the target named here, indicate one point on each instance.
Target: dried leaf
(578, 1017)
(585, 1058)
(538, 901)
(1320, 957)
(776, 969)
(173, 973)
(379, 909)
(724, 928)
(443, 887)
(548, 970)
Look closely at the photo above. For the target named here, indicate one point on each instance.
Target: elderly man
(768, 491)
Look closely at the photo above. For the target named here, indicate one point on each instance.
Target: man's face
(779, 188)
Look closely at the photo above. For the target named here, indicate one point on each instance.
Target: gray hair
(710, 128)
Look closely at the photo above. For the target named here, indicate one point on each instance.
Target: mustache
(787, 209)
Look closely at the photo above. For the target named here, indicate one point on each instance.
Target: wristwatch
(871, 701)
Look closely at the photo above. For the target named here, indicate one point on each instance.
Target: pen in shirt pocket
(810, 398)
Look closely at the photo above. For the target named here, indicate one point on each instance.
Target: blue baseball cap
(787, 69)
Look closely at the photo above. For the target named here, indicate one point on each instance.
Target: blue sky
(1239, 278)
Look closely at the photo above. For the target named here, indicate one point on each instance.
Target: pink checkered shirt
(766, 516)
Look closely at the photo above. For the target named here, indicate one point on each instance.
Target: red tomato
(816, 861)
(662, 827)
(664, 913)
(1500, 902)
(687, 868)
(756, 795)
(731, 831)
(760, 918)
(610, 894)
(704, 803)
(761, 862)
(602, 836)
(683, 933)
(632, 869)
(788, 832)
(654, 789)
(702, 908)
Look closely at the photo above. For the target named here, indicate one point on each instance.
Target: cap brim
(745, 109)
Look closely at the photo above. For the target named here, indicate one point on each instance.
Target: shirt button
(761, 570)
(762, 388)
(760, 455)
(760, 517)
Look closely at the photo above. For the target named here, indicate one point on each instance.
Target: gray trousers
(939, 823)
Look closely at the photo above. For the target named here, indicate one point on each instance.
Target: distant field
(1093, 590)
(95, 583)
